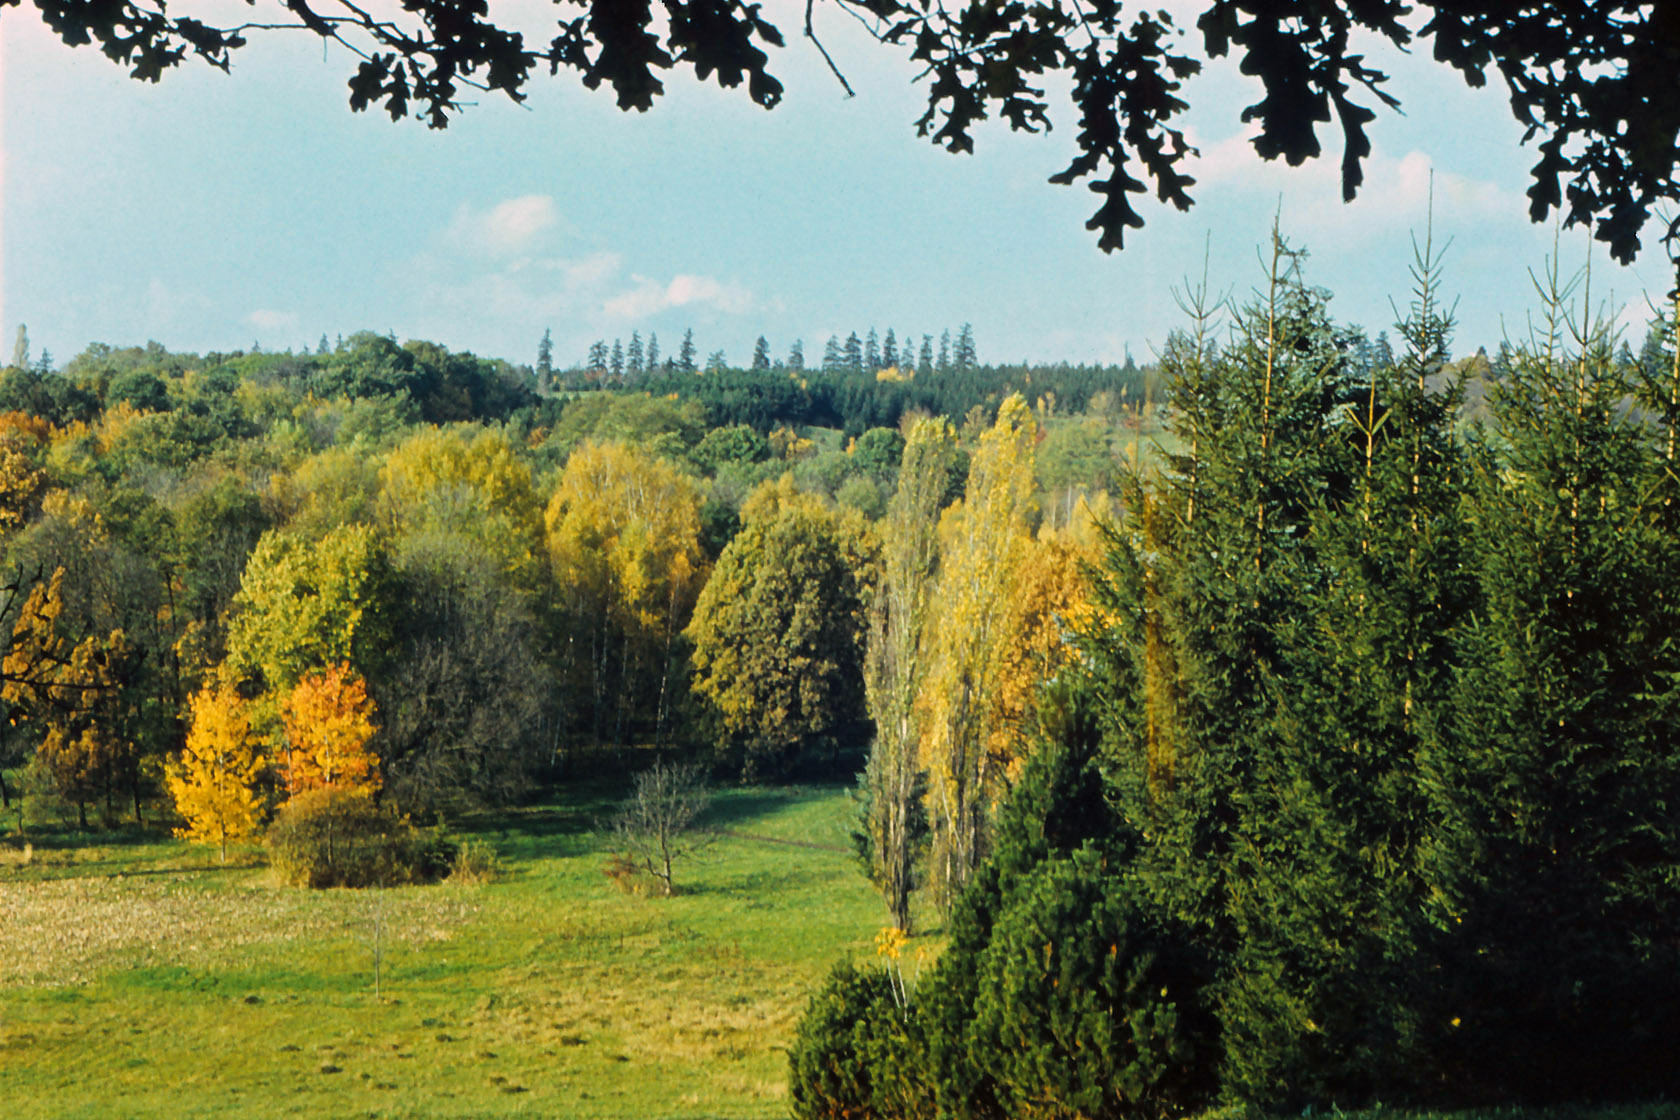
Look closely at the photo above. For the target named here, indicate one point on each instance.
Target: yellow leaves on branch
(21, 480)
(214, 780)
(624, 539)
(471, 483)
(35, 651)
(328, 718)
(1048, 595)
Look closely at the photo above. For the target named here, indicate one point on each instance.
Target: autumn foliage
(214, 781)
(328, 719)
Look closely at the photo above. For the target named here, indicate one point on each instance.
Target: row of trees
(627, 366)
(1359, 783)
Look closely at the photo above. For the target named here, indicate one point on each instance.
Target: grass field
(138, 978)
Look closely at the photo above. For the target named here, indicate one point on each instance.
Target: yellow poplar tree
(213, 782)
(983, 540)
(895, 666)
(329, 719)
(1047, 591)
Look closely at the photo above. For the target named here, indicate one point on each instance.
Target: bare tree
(656, 826)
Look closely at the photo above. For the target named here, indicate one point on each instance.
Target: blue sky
(211, 212)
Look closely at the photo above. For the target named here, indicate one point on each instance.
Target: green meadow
(139, 978)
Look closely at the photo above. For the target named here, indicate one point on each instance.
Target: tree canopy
(1592, 80)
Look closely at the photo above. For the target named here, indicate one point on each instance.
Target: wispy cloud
(265, 319)
(1395, 195)
(511, 265)
(516, 227)
(649, 297)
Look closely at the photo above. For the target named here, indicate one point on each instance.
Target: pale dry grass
(69, 930)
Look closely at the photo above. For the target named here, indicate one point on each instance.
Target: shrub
(476, 863)
(857, 1053)
(625, 874)
(341, 838)
(1085, 1007)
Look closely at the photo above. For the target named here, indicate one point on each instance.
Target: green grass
(139, 978)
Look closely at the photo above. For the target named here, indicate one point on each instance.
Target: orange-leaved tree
(214, 780)
(328, 717)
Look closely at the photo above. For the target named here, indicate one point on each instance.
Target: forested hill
(422, 382)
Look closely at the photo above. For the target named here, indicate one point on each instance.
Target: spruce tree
(924, 362)
(653, 352)
(965, 356)
(889, 351)
(943, 365)
(635, 358)
(545, 361)
(1218, 690)
(852, 356)
(834, 357)
(872, 352)
(686, 355)
(1551, 872)
(616, 363)
(796, 355)
(1330, 905)
(761, 354)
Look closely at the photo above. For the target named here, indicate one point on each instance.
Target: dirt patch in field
(65, 931)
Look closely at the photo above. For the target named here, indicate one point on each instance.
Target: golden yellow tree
(983, 540)
(21, 480)
(75, 691)
(470, 482)
(214, 780)
(624, 540)
(329, 720)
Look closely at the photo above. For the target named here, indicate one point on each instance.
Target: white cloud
(512, 228)
(649, 297)
(265, 319)
(493, 272)
(1394, 197)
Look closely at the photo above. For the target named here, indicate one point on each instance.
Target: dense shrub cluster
(341, 838)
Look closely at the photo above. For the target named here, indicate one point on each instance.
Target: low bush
(475, 864)
(1086, 1007)
(341, 838)
(858, 1052)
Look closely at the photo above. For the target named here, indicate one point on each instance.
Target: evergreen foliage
(1375, 715)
